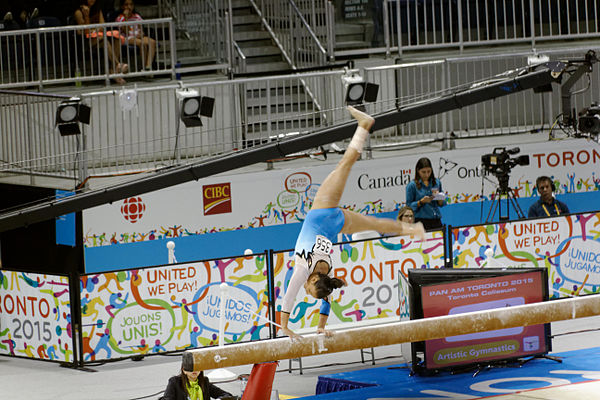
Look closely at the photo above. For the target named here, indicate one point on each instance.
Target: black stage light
(69, 114)
(361, 92)
(190, 109)
(193, 106)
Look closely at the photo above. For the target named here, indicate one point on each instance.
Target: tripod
(504, 190)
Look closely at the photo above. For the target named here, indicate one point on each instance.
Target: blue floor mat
(395, 382)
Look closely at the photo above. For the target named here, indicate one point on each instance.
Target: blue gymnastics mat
(395, 382)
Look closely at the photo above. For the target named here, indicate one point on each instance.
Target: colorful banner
(569, 246)
(284, 196)
(370, 268)
(35, 316)
(483, 294)
(173, 307)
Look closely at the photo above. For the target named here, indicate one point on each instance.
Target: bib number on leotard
(322, 245)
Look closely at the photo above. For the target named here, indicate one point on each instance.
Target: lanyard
(555, 207)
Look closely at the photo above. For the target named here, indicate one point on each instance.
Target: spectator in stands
(7, 23)
(323, 223)
(89, 12)
(547, 205)
(406, 214)
(193, 385)
(18, 15)
(135, 33)
(420, 194)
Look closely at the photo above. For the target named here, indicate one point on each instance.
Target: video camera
(589, 119)
(500, 163)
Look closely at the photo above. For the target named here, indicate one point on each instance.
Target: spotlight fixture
(358, 91)
(69, 114)
(192, 106)
(128, 99)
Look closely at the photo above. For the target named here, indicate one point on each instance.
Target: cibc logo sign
(133, 209)
(217, 198)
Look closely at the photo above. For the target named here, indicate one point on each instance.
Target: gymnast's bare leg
(331, 190)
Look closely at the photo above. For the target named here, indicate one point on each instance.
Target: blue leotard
(327, 222)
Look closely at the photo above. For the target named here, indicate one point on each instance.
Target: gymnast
(320, 229)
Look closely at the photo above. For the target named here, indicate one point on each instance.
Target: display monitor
(454, 291)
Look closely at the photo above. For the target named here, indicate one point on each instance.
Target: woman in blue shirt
(420, 193)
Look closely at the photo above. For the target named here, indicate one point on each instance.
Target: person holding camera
(547, 205)
(425, 196)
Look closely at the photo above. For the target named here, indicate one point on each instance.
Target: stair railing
(294, 37)
(291, 32)
(202, 22)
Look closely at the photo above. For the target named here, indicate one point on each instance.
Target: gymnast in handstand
(321, 226)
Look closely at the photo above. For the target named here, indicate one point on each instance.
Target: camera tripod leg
(493, 207)
(513, 200)
(497, 204)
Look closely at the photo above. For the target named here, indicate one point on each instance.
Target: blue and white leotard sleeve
(327, 222)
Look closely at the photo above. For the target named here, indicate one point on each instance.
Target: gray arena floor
(146, 379)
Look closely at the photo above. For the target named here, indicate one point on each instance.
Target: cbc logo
(133, 209)
(217, 198)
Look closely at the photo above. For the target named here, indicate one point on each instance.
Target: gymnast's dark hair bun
(326, 284)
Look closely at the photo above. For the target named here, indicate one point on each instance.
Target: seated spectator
(547, 205)
(406, 214)
(135, 33)
(9, 22)
(89, 12)
(192, 385)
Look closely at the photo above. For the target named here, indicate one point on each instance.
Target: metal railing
(28, 145)
(202, 25)
(522, 112)
(292, 32)
(150, 136)
(396, 26)
(72, 54)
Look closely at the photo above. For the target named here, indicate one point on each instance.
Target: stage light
(128, 99)
(193, 106)
(69, 114)
(358, 91)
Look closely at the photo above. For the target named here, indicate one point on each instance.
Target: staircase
(262, 55)
(272, 111)
(271, 108)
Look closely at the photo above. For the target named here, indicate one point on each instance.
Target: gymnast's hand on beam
(325, 331)
(292, 335)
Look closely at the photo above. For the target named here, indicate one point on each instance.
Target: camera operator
(547, 205)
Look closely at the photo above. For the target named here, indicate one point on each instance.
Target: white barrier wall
(277, 197)
(35, 316)
(569, 246)
(170, 308)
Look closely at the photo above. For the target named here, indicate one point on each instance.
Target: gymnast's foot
(364, 119)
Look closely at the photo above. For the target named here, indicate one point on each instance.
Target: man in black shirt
(547, 205)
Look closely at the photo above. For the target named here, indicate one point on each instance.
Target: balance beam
(392, 333)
